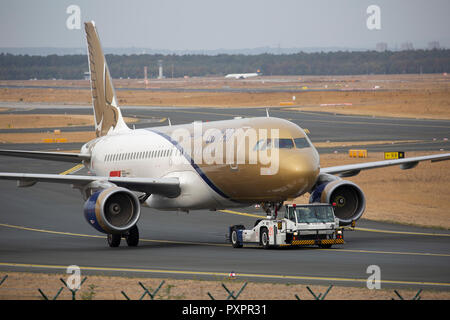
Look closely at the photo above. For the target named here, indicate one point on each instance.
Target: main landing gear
(131, 236)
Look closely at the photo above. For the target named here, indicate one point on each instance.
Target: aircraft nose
(300, 171)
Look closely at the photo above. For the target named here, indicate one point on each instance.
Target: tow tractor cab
(300, 225)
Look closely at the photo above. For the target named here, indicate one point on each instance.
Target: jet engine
(113, 210)
(347, 198)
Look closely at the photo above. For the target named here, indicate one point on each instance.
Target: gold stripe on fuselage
(295, 173)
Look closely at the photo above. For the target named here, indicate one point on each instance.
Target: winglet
(107, 115)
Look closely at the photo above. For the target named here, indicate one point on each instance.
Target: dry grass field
(40, 137)
(416, 96)
(21, 121)
(24, 286)
(426, 104)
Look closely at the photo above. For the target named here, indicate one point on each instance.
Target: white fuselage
(144, 153)
(158, 152)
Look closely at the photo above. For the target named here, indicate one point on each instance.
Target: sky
(231, 24)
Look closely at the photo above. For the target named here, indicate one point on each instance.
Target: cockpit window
(260, 145)
(301, 143)
(283, 143)
(274, 143)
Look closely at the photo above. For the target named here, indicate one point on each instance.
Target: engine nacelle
(113, 210)
(348, 198)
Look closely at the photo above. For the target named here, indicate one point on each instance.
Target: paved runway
(42, 228)
(428, 135)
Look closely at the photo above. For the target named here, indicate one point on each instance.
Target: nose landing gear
(271, 208)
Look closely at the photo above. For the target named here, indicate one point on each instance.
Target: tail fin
(107, 115)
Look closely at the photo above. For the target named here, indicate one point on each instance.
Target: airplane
(242, 75)
(155, 167)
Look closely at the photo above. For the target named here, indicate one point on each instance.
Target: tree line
(23, 67)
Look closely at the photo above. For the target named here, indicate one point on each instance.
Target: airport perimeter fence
(155, 294)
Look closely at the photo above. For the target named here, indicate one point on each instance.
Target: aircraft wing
(54, 156)
(408, 163)
(169, 187)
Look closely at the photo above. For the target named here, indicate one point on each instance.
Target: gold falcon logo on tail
(108, 117)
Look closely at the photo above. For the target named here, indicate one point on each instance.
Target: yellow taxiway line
(222, 274)
(391, 252)
(404, 232)
(104, 237)
(76, 168)
(243, 214)
(219, 244)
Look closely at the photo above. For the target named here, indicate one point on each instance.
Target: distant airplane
(182, 167)
(242, 75)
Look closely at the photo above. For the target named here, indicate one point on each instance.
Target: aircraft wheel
(114, 240)
(132, 236)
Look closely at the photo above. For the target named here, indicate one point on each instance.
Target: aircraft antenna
(267, 112)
